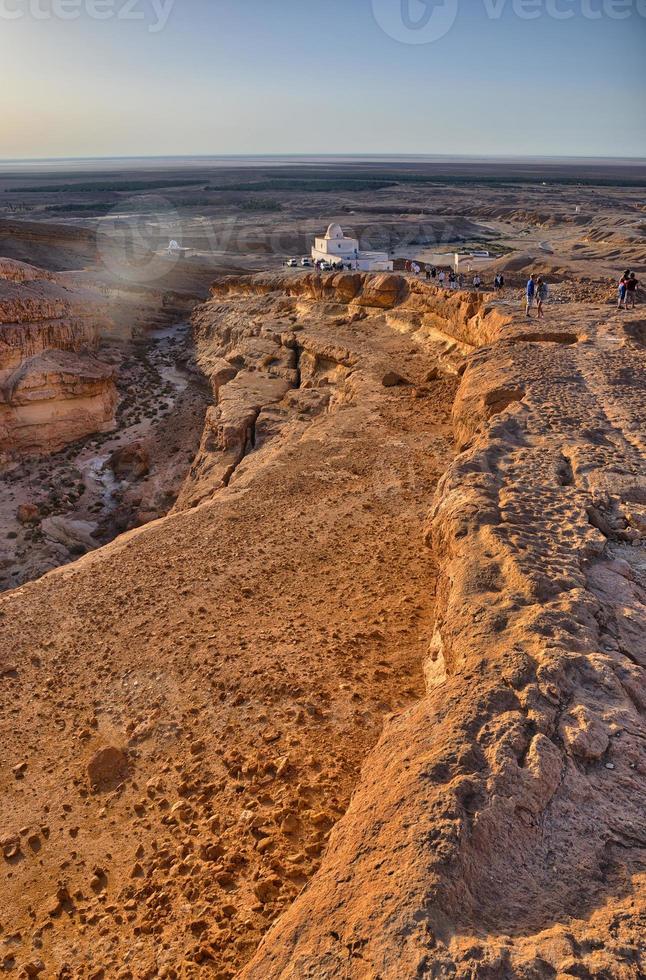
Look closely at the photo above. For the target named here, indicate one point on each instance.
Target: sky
(85, 78)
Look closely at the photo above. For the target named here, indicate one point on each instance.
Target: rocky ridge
(497, 829)
(240, 681)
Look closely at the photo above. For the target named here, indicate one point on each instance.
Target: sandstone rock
(54, 398)
(265, 891)
(382, 291)
(289, 614)
(33, 968)
(10, 845)
(107, 768)
(130, 462)
(28, 514)
(391, 379)
(71, 534)
(584, 734)
(347, 286)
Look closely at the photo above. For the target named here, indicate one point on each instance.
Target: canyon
(92, 372)
(322, 640)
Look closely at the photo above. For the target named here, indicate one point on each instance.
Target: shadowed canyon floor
(410, 511)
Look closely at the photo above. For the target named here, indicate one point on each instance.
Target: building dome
(334, 231)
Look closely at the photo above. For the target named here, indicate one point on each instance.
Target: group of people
(627, 290)
(448, 279)
(537, 292)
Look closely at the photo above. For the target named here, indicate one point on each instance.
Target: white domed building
(335, 247)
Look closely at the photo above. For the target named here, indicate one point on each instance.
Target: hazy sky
(563, 77)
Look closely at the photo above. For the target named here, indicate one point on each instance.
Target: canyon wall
(54, 388)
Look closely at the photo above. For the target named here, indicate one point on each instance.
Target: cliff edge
(370, 702)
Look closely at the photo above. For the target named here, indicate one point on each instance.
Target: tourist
(434, 272)
(428, 274)
(631, 290)
(542, 291)
(622, 291)
(501, 280)
(477, 281)
(441, 277)
(530, 294)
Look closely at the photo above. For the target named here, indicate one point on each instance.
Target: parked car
(292, 263)
(306, 263)
(326, 266)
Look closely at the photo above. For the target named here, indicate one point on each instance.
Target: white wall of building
(346, 250)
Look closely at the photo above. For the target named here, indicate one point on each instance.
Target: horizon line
(313, 155)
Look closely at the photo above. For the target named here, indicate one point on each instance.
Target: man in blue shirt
(531, 293)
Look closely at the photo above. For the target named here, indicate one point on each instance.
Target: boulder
(107, 768)
(391, 379)
(130, 462)
(28, 514)
(71, 534)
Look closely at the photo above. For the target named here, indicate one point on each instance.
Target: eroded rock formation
(346, 552)
(53, 386)
(498, 828)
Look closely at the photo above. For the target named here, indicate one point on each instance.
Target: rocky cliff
(53, 386)
(370, 702)
(498, 828)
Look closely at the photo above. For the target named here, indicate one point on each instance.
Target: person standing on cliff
(541, 295)
(622, 291)
(631, 290)
(530, 294)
